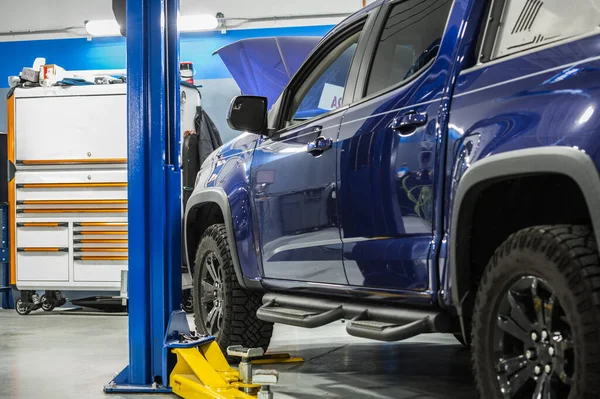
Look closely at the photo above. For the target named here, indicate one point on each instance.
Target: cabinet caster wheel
(22, 308)
(47, 306)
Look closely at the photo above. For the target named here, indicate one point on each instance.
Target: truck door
(293, 174)
(387, 148)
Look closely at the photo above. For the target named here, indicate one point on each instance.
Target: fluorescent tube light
(108, 27)
(190, 23)
(187, 23)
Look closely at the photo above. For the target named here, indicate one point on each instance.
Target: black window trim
(364, 25)
(369, 57)
(491, 30)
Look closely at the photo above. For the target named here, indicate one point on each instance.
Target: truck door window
(525, 24)
(323, 89)
(409, 41)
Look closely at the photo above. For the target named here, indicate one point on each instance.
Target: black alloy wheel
(536, 321)
(532, 342)
(222, 307)
(211, 294)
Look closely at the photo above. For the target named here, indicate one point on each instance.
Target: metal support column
(154, 191)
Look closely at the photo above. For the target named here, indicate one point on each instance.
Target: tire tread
(573, 251)
(241, 326)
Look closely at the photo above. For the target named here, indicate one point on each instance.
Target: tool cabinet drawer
(98, 270)
(49, 129)
(40, 265)
(42, 235)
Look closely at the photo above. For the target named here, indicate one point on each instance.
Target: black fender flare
(567, 161)
(216, 195)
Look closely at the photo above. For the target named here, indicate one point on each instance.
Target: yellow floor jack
(202, 371)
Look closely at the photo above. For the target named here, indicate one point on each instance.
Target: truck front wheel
(536, 324)
(223, 308)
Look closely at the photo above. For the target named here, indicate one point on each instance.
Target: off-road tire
(566, 257)
(240, 325)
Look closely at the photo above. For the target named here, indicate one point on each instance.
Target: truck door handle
(407, 123)
(319, 146)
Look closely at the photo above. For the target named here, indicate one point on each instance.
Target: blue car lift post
(164, 356)
(154, 274)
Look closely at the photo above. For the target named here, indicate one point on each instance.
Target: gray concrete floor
(67, 356)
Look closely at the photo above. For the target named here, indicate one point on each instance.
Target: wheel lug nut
(537, 370)
(534, 336)
(529, 355)
(544, 335)
(548, 369)
(551, 351)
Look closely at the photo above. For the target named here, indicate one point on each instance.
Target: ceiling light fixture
(187, 23)
(191, 23)
(108, 27)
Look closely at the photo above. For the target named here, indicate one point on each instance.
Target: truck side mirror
(248, 114)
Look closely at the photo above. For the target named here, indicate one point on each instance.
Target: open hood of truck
(264, 66)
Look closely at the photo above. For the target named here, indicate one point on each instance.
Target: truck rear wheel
(536, 324)
(222, 308)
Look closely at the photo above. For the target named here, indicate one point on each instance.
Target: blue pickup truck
(431, 167)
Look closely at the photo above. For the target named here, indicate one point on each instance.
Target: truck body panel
(380, 226)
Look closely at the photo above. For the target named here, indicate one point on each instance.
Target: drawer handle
(81, 210)
(101, 241)
(92, 258)
(43, 250)
(73, 202)
(69, 185)
(100, 224)
(72, 161)
(41, 224)
(100, 249)
(100, 233)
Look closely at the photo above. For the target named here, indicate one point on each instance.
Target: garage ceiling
(40, 15)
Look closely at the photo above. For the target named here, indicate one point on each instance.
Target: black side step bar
(368, 320)
(361, 326)
(298, 317)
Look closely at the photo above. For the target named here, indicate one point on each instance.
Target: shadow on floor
(397, 370)
(73, 356)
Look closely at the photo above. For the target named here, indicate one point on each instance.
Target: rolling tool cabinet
(68, 187)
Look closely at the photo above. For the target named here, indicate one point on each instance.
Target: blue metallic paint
(546, 97)
(173, 166)
(395, 175)
(394, 193)
(154, 275)
(138, 125)
(294, 195)
(229, 169)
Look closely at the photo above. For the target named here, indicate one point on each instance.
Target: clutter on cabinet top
(47, 75)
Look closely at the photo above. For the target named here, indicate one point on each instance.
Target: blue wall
(111, 53)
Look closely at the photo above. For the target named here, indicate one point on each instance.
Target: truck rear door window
(526, 24)
(409, 41)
